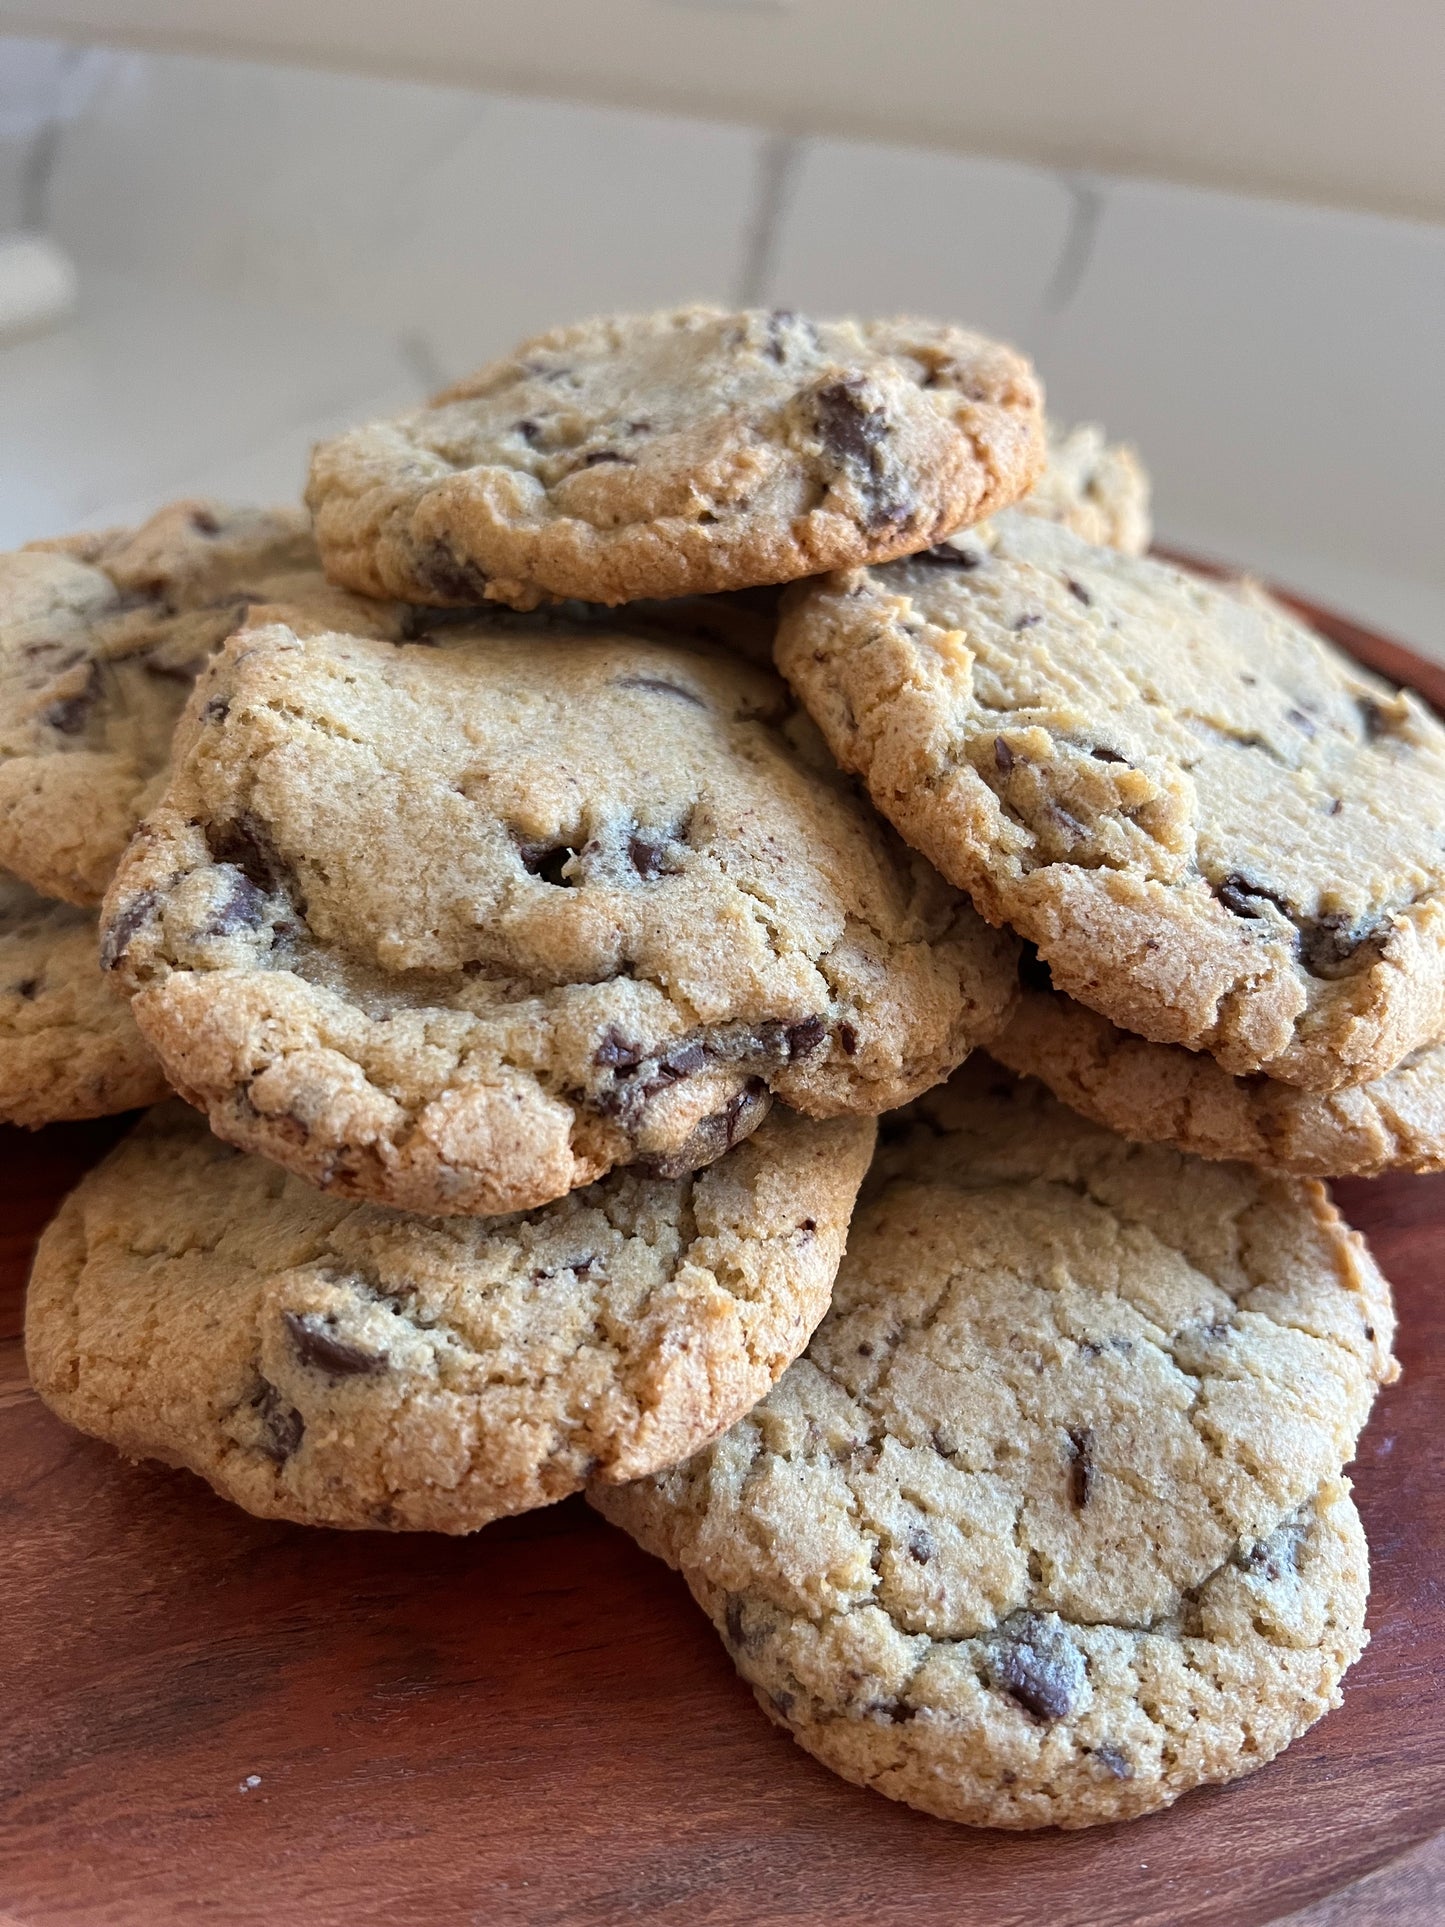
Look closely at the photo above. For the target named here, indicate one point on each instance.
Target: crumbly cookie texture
(69, 1048)
(101, 637)
(339, 1364)
(1164, 1094)
(680, 453)
(459, 927)
(1217, 830)
(1046, 1526)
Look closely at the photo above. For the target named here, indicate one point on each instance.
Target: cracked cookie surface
(679, 453)
(1046, 1525)
(69, 1047)
(1165, 1094)
(1217, 830)
(101, 637)
(341, 1364)
(459, 927)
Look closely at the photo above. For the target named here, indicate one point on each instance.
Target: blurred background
(214, 259)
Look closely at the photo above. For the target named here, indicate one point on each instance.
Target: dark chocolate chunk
(1332, 946)
(945, 556)
(27, 987)
(659, 686)
(734, 1631)
(247, 845)
(616, 1053)
(68, 713)
(116, 935)
(1242, 896)
(1118, 1764)
(1021, 623)
(600, 455)
(242, 907)
(282, 1426)
(1003, 756)
(803, 1038)
(922, 1545)
(216, 710)
(648, 859)
(527, 429)
(1103, 755)
(1078, 591)
(1304, 723)
(447, 574)
(547, 862)
(1081, 1467)
(316, 1344)
(783, 322)
(856, 435)
(204, 522)
(1039, 1667)
(713, 1135)
(848, 1040)
(1375, 719)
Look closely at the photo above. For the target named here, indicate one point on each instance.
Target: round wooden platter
(204, 1718)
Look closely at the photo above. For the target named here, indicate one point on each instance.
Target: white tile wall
(266, 254)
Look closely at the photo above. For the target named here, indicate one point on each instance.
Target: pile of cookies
(537, 963)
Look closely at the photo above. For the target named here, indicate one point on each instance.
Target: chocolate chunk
(1021, 623)
(243, 907)
(659, 686)
(27, 987)
(548, 863)
(922, 1545)
(447, 574)
(945, 556)
(848, 1040)
(782, 1703)
(317, 1345)
(616, 1053)
(1034, 973)
(733, 1629)
(1102, 755)
(1275, 1556)
(803, 1038)
(282, 1426)
(1242, 896)
(600, 455)
(783, 322)
(1003, 756)
(856, 435)
(1305, 724)
(527, 429)
(713, 1135)
(648, 859)
(1332, 946)
(1118, 1764)
(68, 713)
(116, 935)
(1081, 1467)
(810, 1225)
(1078, 592)
(1375, 719)
(204, 523)
(1040, 1668)
(216, 710)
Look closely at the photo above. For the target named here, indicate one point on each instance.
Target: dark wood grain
(536, 1726)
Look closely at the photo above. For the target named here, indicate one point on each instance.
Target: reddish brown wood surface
(205, 1719)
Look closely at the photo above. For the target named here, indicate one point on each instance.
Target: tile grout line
(779, 156)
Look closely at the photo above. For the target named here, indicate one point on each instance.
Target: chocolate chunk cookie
(68, 1046)
(343, 1365)
(1095, 487)
(1164, 1094)
(458, 927)
(679, 453)
(1046, 1526)
(100, 640)
(1218, 831)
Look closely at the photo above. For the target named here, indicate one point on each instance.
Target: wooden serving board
(207, 1719)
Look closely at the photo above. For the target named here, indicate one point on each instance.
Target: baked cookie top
(69, 1047)
(679, 453)
(1165, 1094)
(344, 1365)
(1218, 831)
(100, 640)
(459, 927)
(1062, 1434)
(1095, 487)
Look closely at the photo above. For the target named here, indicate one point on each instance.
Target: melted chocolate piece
(453, 576)
(1331, 946)
(318, 1346)
(1003, 756)
(712, 1136)
(1081, 1468)
(1039, 1668)
(282, 1426)
(243, 907)
(659, 686)
(115, 937)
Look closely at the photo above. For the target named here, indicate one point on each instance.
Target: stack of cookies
(536, 963)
